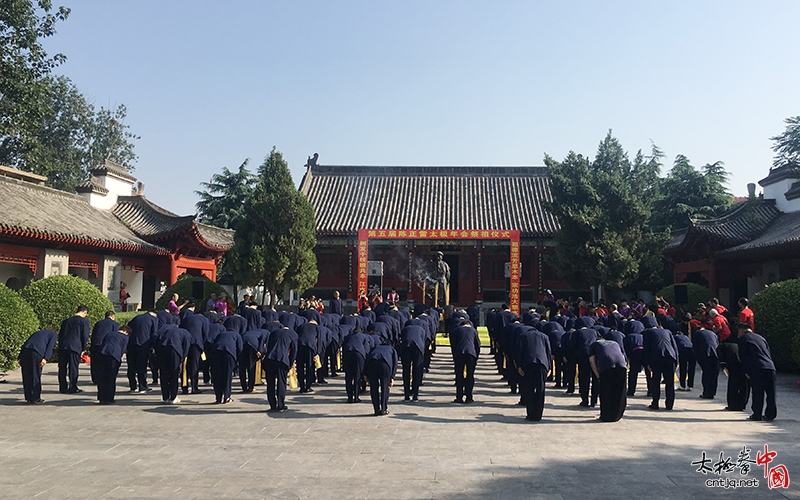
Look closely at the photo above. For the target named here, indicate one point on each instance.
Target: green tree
(274, 242)
(603, 207)
(24, 67)
(787, 144)
(687, 193)
(75, 138)
(224, 199)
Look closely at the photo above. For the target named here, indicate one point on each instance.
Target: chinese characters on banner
(364, 235)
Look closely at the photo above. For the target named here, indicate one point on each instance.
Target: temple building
(107, 233)
(752, 245)
(384, 225)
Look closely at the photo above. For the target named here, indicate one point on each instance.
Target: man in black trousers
(661, 357)
(355, 349)
(705, 344)
(583, 338)
(412, 349)
(72, 338)
(140, 341)
(32, 357)
(253, 343)
(308, 341)
(381, 367)
(108, 358)
(532, 357)
(757, 362)
(172, 348)
(198, 327)
(608, 364)
(225, 351)
(280, 354)
(738, 392)
(99, 332)
(466, 347)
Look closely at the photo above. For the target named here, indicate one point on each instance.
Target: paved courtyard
(324, 448)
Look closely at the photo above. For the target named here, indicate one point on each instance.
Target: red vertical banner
(363, 257)
(514, 298)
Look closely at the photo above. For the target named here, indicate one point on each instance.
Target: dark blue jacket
(269, 314)
(633, 342)
(350, 320)
(368, 313)
(197, 325)
(236, 324)
(74, 334)
(608, 354)
(532, 347)
(282, 347)
(311, 315)
(464, 340)
(326, 338)
(413, 337)
(382, 330)
(229, 342)
(659, 344)
(177, 339)
(344, 331)
(256, 339)
(705, 343)
(617, 336)
(359, 343)
(42, 343)
(165, 318)
(554, 332)
(144, 328)
(682, 341)
(383, 354)
(291, 321)
(583, 340)
(754, 353)
(101, 329)
(335, 307)
(254, 318)
(114, 345)
(213, 330)
(308, 335)
(272, 326)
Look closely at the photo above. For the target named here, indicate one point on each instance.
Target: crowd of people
(604, 347)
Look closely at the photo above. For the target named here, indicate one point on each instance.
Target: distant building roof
(781, 238)
(349, 198)
(109, 167)
(154, 224)
(32, 211)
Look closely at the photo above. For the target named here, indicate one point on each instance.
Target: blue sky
(208, 84)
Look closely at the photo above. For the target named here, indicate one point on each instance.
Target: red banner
(364, 235)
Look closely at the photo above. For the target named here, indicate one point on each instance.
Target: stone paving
(324, 448)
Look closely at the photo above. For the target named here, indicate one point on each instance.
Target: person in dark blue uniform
(355, 348)
(661, 356)
(279, 356)
(466, 347)
(705, 344)
(569, 358)
(100, 330)
(381, 368)
(72, 338)
(108, 359)
(308, 340)
(327, 339)
(532, 358)
(760, 370)
(412, 349)
(634, 350)
(255, 320)
(236, 324)
(225, 351)
(738, 392)
(555, 332)
(140, 341)
(608, 364)
(172, 346)
(253, 345)
(32, 357)
(335, 305)
(583, 338)
(198, 327)
(686, 363)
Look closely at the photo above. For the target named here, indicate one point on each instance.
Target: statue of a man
(442, 276)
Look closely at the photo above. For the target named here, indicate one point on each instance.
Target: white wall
(52, 263)
(777, 191)
(110, 274)
(116, 187)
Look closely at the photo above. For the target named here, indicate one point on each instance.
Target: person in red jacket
(719, 324)
(746, 314)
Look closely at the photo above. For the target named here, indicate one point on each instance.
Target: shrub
(695, 292)
(17, 323)
(777, 318)
(56, 298)
(796, 350)
(124, 317)
(183, 287)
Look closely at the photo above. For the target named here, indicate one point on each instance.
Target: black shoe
(272, 410)
(198, 391)
(283, 409)
(531, 419)
(406, 399)
(323, 382)
(76, 391)
(350, 400)
(705, 396)
(334, 375)
(383, 413)
(357, 400)
(184, 391)
(585, 404)
(569, 392)
(469, 400)
(458, 400)
(630, 394)
(415, 400)
(755, 418)
(557, 386)
(653, 407)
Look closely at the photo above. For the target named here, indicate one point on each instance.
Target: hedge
(695, 292)
(124, 317)
(17, 323)
(796, 350)
(183, 287)
(56, 298)
(777, 318)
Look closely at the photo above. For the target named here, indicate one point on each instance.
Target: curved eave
(75, 240)
(191, 232)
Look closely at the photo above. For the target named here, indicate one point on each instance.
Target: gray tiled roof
(154, 223)
(113, 168)
(31, 211)
(349, 198)
(783, 234)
